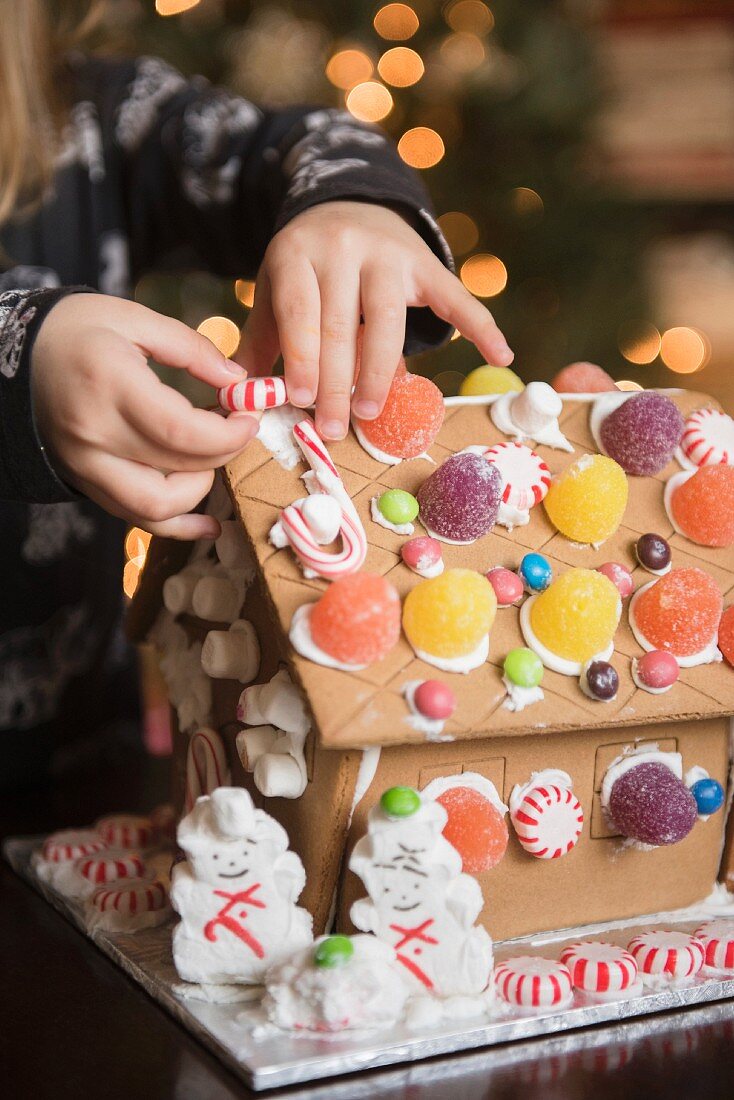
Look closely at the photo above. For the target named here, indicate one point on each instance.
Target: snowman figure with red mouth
(420, 901)
(235, 892)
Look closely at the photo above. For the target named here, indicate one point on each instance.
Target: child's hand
(321, 271)
(115, 432)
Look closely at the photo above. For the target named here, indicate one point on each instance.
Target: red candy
(411, 419)
(72, 844)
(620, 577)
(421, 553)
(583, 378)
(726, 634)
(434, 699)
(475, 828)
(533, 982)
(508, 588)
(680, 612)
(126, 831)
(702, 506)
(108, 866)
(357, 620)
(657, 669)
(598, 967)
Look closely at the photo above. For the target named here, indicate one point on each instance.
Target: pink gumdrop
(657, 669)
(434, 699)
(508, 588)
(583, 378)
(421, 552)
(619, 575)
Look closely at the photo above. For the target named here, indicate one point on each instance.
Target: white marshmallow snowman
(235, 893)
(419, 900)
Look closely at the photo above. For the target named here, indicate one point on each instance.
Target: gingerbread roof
(356, 709)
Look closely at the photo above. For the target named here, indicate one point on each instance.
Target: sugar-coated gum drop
(448, 616)
(357, 620)
(486, 379)
(461, 499)
(410, 420)
(475, 828)
(620, 577)
(650, 804)
(726, 634)
(577, 615)
(583, 378)
(588, 500)
(702, 507)
(642, 433)
(680, 612)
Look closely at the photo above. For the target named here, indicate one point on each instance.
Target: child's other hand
(329, 265)
(117, 433)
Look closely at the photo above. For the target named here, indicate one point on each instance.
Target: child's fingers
(338, 357)
(189, 527)
(446, 296)
(383, 307)
(176, 345)
(259, 345)
(296, 302)
(138, 490)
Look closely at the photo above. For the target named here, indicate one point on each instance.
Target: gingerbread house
(317, 746)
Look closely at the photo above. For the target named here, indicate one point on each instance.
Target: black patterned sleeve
(26, 473)
(208, 170)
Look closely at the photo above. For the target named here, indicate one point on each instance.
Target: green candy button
(397, 506)
(400, 802)
(333, 951)
(523, 667)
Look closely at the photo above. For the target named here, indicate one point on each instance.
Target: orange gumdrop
(703, 506)
(726, 634)
(411, 419)
(680, 612)
(357, 620)
(475, 828)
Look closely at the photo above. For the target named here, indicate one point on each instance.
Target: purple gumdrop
(642, 433)
(650, 804)
(461, 499)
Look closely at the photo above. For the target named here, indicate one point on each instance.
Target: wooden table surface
(72, 1025)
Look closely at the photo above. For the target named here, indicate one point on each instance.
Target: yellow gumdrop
(577, 614)
(490, 380)
(447, 616)
(588, 500)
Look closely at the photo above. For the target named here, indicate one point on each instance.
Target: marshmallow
(232, 654)
(178, 589)
(253, 743)
(279, 703)
(323, 514)
(535, 407)
(218, 598)
(277, 775)
(232, 549)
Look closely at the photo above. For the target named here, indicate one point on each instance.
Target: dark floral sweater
(155, 171)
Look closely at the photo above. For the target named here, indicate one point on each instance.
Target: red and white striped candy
(108, 866)
(253, 395)
(300, 537)
(661, 952)
(131, 897)
(206, 765)
(717, 937)
(598, 967)
(525, 475)
(708, 438)
(71, 844)
(126, 831)
(548, 821)
(533, 982)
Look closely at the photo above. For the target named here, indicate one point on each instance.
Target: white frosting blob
(450, 542)
(464, 664)
(378, 517)
(671, 485)
(473, 780)
(428, 571)
(708, 655)
(519, 697)
(276, 433)
(552, 660)
(375, 452)
(303, 643)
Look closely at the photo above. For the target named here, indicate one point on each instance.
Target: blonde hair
(34, 37)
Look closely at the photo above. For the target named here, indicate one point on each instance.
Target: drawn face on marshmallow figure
(228, 862)
(407, 882)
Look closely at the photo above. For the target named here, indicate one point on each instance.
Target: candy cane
(296, 529)
(253, 395)
(206, 765)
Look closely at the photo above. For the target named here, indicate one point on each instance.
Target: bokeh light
(460, 231)
(174, 7)
(349, 67)
(628, 384)
(471, 16)
(462, 52)
(684, 350)
(421, 147)
(400, 67)
(370, 101)
(484, 275)
(244, 290)
(136, 549)
(639, 342)
(222, 332)
(396, 22)
(526, 202)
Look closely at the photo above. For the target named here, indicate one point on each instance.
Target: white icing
(553, 777)
(584, 684)
(378, 517)
(464, 664)
(367, 991)
(552, 660)
(643, 686)
(276, 433)
(694, 774)
(189, 688)
(573, 398)
(423, 1012)
(519, 697)
(432, 728)
(303, 643)
(365, 774)
(604, 404)
(540, 420)
(238, 868)
(708, 655)
(223, 994)
(375, 452)
(423, 906)
(671, 485)
(428, 571)
(443, 538)
(473, 780)
(631, 758)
